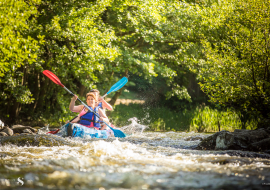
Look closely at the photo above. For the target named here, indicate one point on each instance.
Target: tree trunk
(37, 91)
(43, 85)
(15, 110)
(81, 90)
(115, 97)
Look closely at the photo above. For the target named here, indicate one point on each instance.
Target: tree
(159, 38)
(236, 70)
(17, 50)
(66, 37)
(92, 43)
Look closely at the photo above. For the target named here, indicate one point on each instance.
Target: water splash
(44, 130)
(134, 127)
(2, 124)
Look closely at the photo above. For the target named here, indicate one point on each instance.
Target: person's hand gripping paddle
(56, 80)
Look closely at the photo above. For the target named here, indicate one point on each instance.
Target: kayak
(77, 130)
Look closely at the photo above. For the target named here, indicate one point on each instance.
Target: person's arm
(76, 119)
(105, 104)
(103, 116)
(72, 106)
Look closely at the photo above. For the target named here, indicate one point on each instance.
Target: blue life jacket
(100, 105)
(87, 118)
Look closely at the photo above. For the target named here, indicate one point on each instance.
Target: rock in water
(8, 131)
(261, 145)
(20, 128)
(224, 141)
(3, 134)
(237, 140)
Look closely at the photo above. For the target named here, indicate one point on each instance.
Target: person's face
(91, 101)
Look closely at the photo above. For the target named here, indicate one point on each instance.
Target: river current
(148, 160)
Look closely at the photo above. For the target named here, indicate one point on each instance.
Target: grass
(199, 119)
(206, 120)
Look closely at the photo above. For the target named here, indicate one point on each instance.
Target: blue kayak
(77, 130)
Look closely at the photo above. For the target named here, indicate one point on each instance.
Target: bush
(198, 119)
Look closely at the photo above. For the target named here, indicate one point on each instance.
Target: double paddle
(115, 87)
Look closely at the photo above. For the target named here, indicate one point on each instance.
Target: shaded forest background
(181, 57)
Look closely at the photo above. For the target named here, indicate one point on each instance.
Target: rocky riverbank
(17, 130)
(28, 136)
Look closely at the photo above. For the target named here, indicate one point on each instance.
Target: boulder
(255, 140)
(196, 138)
(27, 131)
(3, 134)
(209, 143)
(224, 140)
(8, 131)
(20, 128)
(261, 145)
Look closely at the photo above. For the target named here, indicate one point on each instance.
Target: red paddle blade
(53, 77)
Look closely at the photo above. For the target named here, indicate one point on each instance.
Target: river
(148, 160)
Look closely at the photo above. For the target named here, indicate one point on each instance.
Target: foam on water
(141, 161)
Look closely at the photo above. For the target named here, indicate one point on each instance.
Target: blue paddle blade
(118, 85)
(118, 133)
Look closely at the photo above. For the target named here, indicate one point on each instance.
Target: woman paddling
(103, 105)
(101, 102)
(87, 118)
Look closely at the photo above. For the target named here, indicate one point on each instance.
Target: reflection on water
(149, 160)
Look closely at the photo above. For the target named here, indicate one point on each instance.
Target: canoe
(77, 130)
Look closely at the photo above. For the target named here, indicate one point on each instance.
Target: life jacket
(100, 105)
(90, 118)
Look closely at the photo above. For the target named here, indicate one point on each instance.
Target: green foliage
(92, 44)
(236, 69)
(66, 37)
(207, 120)
(17, 48)
(156, 118)
(150, 33)
(198, 119)
(89, 44)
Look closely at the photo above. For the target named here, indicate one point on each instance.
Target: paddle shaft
(104, 96)
(86, 106)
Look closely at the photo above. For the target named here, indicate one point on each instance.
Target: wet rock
(196, 138)
(27, 131)
(237, 140)
(35, 140)
(209, 143)
(3, 134)
(20, 128)
(261, 145)
(8, 131)
(224, 141)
